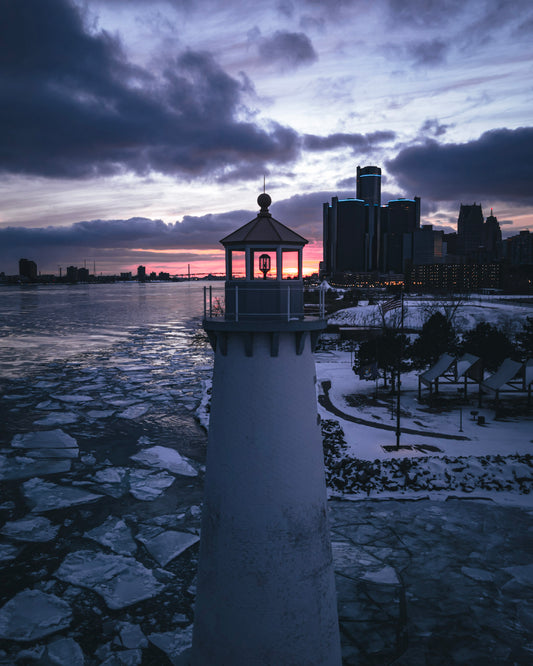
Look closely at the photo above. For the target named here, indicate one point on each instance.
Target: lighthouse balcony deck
(257, 300)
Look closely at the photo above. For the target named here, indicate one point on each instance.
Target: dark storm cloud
(115, 237)
(344, 140)
(498, 166)
(433, 127)
(191, 232)
(288, 49)
(72, 106)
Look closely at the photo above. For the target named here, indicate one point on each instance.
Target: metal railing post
(236, 303)
(210, 301)
(205, 304)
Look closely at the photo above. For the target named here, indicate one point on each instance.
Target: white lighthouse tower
(266, 591)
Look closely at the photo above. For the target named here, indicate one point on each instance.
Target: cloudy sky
(137, 132)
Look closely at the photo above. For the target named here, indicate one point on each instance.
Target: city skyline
(141, 134)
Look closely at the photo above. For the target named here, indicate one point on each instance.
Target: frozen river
(101, 465)
(99, 460)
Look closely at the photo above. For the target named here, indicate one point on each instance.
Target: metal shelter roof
(440, 367)
(505, 373)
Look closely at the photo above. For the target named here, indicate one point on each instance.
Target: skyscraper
(470, 231)
(368, 185)
(346, 241)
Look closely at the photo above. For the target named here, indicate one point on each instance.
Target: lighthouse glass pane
(258, 273)
(238, 264)
(290, 265)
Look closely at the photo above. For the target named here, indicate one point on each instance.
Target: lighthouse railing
(239, 302)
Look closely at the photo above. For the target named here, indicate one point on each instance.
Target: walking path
(325, 401)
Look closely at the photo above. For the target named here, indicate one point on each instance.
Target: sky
(142, 132)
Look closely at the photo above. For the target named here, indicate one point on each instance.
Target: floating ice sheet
(134, 412)
(131, 636)
(100, 413)
(45, 496)
(44, 439)
(146, 485)
(75, 397)
(57, 418)
(24, 468)
(163, 457)
(34, 528)
(32, 614)
(167, 545)
(175, 644)
(115, 534)
(65, 651)
(121, 581)
(8, 552)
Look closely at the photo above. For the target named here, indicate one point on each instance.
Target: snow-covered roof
(505, 373)
(440, 367)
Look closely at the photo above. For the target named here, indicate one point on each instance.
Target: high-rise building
(141, 273)
(423, 246)
(492, 238)
(368, 185)
(346, 242)
(72, 273)
(519, 248)
(470, 230)
(399, 217)
(361, 235)
(27, 269)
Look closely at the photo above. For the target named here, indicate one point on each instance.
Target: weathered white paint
(266, 593)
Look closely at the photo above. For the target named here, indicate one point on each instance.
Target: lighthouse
(266, 591)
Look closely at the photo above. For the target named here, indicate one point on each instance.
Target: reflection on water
(42, 323)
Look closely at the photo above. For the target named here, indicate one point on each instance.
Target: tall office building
(27, 269)
(399, 217)
(346, 240)
(493, 238)
(361, 235)
(470, 230)
(368, 185)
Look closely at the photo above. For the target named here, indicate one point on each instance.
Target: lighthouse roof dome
(264, 229)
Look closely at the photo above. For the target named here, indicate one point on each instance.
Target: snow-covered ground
(505, 313)
(492, 459)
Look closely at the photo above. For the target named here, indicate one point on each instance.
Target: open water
(120, 369)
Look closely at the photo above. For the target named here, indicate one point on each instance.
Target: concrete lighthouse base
(266, 592)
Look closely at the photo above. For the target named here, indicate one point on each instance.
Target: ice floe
(65, 651)
(20, 467)
(115, 534)
(76, 397)
(33, 528)
(165, 546)
(57, 418)
(100, 413)
(32, 614)
(8, 552)
(135, 411)
(146, 485)
(163, 457)
(45, 439)
(131, 636)
(121, 581)
(175, 644)
(45, 496)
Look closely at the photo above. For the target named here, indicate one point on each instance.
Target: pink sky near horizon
(312, 256)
